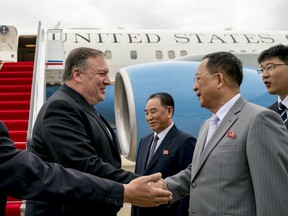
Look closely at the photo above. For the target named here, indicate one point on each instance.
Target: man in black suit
(274, 69)
(24, 175)
(70, 132)
(172, 152)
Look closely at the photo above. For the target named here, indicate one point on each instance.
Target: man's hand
(139, 192)
(159, 184)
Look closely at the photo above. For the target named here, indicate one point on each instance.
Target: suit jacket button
(193, 185)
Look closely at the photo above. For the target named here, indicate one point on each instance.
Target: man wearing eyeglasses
(274, 69)
(239, 165)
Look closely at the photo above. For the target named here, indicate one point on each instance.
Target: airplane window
(159, 54)
(108, 54)
(133, 54)
(171, 54)
(183, 53)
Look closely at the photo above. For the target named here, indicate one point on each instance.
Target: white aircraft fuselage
(128, 47)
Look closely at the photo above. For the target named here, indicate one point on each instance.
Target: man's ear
(170, 110)
(220, 78)
(76, 73)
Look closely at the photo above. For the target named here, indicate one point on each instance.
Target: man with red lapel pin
(242, 169)
(170, 153)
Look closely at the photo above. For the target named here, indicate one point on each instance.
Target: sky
(147, 14)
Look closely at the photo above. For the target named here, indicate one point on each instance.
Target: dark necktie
(152, 149)
(100, 118)
(95, 110)
(283, 112)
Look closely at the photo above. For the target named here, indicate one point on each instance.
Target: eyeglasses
(268, 68)
(198, 78)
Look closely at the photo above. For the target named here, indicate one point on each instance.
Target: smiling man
(69, 131)
(242, 169)
(167, 150)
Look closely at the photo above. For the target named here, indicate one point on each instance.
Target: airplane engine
(134, 84)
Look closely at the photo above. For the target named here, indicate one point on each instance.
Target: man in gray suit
(243, 168)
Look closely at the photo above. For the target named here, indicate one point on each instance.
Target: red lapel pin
(231, 134)
(165, 152)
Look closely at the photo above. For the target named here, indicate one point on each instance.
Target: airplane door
(26, 47)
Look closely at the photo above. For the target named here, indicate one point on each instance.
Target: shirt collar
(163, 133)
(285, 101)
(221, 113)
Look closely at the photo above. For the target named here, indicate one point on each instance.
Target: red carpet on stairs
(15, 91)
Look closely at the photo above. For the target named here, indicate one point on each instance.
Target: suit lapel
(221, 131)
(274, 107)
(87, 107)
(102, 122)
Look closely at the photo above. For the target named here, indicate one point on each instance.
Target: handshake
(139, 192)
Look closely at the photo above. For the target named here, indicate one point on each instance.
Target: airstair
(22, 92)
(15, 91)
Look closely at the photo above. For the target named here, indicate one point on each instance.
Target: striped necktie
(152, 149)
(283, 112)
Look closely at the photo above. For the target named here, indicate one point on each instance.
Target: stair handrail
(38, 89)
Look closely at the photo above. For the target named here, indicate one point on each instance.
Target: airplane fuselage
(128, 47)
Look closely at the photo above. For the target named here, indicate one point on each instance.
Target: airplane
(141, 62)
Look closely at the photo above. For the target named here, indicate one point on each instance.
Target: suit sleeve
(179, 184)
(267, 154)
(23, 175)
